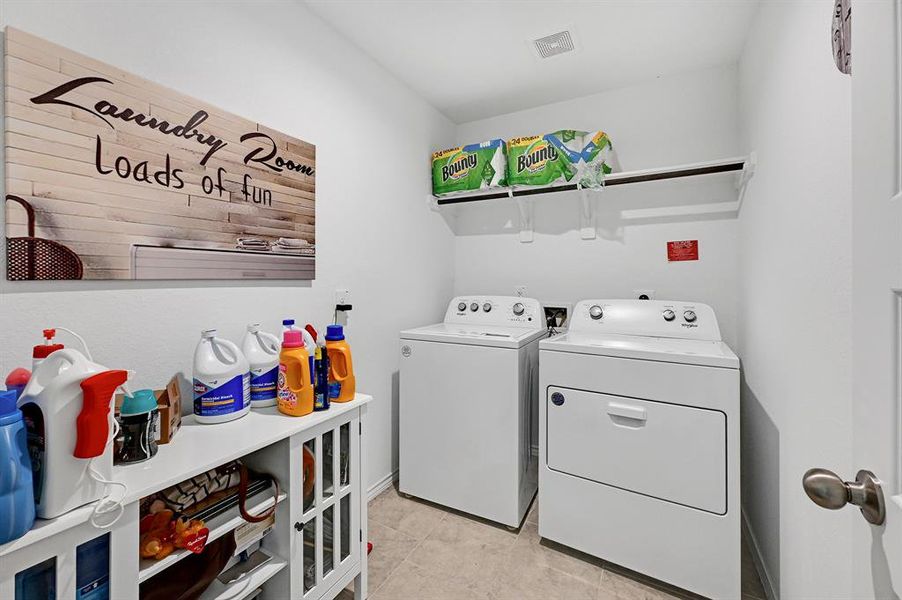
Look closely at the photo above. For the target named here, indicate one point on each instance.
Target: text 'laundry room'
(451, 300)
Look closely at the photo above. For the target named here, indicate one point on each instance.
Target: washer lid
(474, 335)
(690, 352)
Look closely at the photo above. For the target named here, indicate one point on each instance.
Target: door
(877, 289)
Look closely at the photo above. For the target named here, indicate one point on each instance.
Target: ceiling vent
(554, 44)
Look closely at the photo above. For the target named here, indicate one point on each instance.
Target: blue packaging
(321, 397)
(16, 488)
(226, 399)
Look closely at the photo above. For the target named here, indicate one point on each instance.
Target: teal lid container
(142, 401)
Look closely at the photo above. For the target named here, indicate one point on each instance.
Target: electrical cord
(107, 505)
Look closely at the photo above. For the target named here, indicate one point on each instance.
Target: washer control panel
(496, 310)
(655, 318)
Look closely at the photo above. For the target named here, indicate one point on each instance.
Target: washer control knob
(669, 315)
(690, 316)
(519, 309)
(474, 307)
(462, 306)
(595, 312)
(487, 306)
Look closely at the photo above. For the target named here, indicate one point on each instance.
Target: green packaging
(561, 157)
(597, 159)
(544, 160)
(469, 168)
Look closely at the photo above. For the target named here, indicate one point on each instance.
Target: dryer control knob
(669, 315)
(474, 307)
(595, 312)
(462, 306)
(689, 315)
(487, 307)
(519, 309)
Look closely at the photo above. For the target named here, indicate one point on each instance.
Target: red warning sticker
(682, 250)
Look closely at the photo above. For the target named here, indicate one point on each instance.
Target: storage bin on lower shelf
(247, 583)
(218, 526)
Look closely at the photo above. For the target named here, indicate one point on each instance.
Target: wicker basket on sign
(30, 258)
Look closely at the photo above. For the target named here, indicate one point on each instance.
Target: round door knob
(519, 309)
(474, 307)
(669, 315)
(595, 312)
(462, 306)
(828, 490)
(690, 316)
(487, 307)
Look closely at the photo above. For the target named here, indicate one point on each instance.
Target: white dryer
(468, 404)
(639, 442)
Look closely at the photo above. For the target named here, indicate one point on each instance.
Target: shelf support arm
(527, 217)
(587, 229)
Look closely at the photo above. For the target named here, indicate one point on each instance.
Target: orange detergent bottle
(295, 390)
(341, 369)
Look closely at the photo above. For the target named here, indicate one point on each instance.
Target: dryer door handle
(625, 411)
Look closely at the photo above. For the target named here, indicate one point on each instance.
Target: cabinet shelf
(248, 583)
(218, 526)
(743, 166)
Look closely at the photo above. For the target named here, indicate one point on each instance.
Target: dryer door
(666, 451)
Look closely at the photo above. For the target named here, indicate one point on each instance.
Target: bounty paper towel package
(544, 160)
(469, 168)
(597, 159)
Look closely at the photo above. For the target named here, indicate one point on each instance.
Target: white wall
(795, 296)
(278, 64)
(669, 121)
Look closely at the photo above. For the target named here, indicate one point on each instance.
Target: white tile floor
(425, 552)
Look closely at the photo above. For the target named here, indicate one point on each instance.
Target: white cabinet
(317, 545)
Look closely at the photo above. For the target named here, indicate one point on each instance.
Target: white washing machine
(468, 404)
(639, 442)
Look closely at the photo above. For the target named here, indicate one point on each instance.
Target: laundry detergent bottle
(262, 352)
(16, 488)
(341, 370)
(295, 389)
(221, 380)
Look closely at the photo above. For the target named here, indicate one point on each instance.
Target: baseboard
(381, 485)
(767, 581)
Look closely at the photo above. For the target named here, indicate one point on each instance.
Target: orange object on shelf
(295, 393)
(341, 367)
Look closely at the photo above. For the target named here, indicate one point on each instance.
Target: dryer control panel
(654, 318)
(508, 311)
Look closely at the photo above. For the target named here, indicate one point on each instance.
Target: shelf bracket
(748, 171)
(587, 229)
(527, 217)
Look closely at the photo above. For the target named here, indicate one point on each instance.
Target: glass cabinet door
(330, 523)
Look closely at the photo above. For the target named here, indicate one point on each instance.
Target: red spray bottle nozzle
(92, 425)
(49, 334)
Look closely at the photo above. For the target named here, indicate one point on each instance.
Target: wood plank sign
(111, 176)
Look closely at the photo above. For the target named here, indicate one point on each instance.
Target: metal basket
(29, 258)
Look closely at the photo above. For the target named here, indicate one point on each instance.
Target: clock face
(842, 35)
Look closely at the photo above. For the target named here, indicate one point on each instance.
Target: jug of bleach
(262, 352)
(16, 488)
(295, 389)
(221, 380)
(341, 370)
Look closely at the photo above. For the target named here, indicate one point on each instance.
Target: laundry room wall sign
(111, 176)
